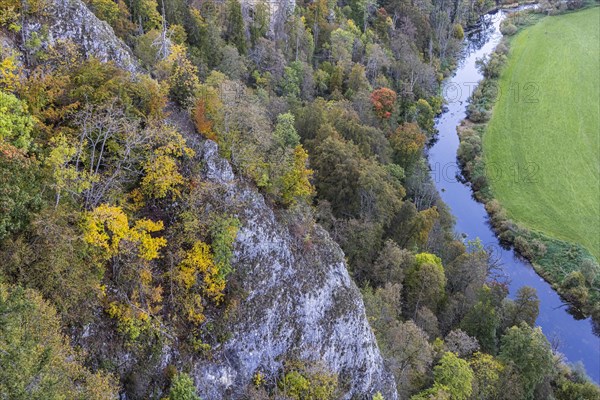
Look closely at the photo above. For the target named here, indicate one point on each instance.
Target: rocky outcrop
(301, 303)
(72, 20)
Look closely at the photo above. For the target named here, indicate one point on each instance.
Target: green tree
(259, 26)
(336, 80)
(425, 116)
(525, 308)
(383, 306)
(574, 287)
(407, 142)
(454, 375)
(20, 189)
(467, 272)
(341, 46)
(482, 321)
(337, 170)
(357, 79)
(528, 350)
(232, 64)
(308, 381)
(295, 183)
(292, 79)
(234, 26)
(574, 387)
(182, 77)
(425, 282)
(285, 132)
(145, 48)
(182, 388)
(590, 270)
(51, 257)
(146, 15)
(36, 360)
(301, 42)
(361, 10)
(106, 10)
(434, 393)
(487, 372)
(356, 187)
(15, 122)
(391, 264)
(223, 232)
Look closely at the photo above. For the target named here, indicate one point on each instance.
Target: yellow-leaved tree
(295, 183)
(198, 269)
(161, 170)
(9, 73)
(108, 229)
(67, 178)
(204, 269)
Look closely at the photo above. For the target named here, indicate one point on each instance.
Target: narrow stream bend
(577, 340)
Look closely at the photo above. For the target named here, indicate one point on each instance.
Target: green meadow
(542, 143)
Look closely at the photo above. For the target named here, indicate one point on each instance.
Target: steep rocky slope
(72, 20)
(301, 302)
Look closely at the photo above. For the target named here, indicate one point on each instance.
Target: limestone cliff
(301, 301)
(72, 20)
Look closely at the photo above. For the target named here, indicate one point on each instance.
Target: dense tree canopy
(110, 232)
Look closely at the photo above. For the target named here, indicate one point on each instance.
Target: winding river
(575, 337)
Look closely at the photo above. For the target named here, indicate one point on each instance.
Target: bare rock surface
(72, 20)
(301, 302)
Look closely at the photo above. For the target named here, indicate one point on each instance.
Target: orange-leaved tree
(383, 101)
(208, 112)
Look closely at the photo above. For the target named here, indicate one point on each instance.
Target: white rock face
(301, 303)
(72, 20)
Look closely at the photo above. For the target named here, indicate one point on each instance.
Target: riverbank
(469, 30)
(570, 268)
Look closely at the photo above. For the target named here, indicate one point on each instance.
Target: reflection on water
(575, 336)
(480, 35)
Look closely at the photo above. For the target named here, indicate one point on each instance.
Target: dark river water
(575, 337)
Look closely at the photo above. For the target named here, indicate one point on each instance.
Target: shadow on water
(577, 336)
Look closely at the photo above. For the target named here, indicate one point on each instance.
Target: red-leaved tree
(383, 101)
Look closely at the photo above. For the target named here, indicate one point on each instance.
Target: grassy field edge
(570, 268)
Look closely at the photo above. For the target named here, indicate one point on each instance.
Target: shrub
(502, 49)
(37, 361)
(478, 114)
(308, 381)
(538, 247)
(182, 388)
(20, 192)
(508, 29)
(458, 32)
(524, 248)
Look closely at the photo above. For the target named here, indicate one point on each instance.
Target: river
(575, 337)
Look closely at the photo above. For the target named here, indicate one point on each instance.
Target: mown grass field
(542, 143)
